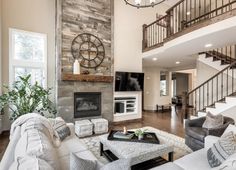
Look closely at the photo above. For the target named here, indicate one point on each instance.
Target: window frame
(13, 63)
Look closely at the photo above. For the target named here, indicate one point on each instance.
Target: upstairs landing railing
(182, 15)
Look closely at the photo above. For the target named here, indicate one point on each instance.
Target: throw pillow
(121, 164)
(222, 149)
(229, 164)
(30, 163)
(77, 163)
(60, 127)
(229, 129)
(213, 121)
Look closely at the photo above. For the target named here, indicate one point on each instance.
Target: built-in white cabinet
(128, 106)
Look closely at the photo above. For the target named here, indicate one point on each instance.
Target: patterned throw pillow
(60, 126)
(222, 149)
(77, 163)
(213, 121)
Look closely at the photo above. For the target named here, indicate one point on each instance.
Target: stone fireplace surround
(75, 17)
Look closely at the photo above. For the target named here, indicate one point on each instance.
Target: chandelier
(143, 3)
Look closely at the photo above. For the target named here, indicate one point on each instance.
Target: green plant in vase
(25, 97)
(139, 133)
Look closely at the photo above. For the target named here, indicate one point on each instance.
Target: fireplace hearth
(87, 104)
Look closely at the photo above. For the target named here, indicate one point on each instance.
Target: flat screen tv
(127, 81)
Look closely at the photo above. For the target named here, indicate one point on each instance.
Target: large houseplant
(24, 97)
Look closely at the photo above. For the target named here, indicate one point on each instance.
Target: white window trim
(29, 64)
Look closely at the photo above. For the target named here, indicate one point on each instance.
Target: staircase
(184, 17)
(218, 93)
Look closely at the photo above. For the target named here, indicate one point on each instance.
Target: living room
(125, 84)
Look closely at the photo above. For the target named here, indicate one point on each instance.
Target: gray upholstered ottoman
(100, 125)
(83, 128)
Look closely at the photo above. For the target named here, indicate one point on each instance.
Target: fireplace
(87, 104)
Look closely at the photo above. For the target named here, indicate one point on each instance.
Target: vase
(140, 137)
(76, 67)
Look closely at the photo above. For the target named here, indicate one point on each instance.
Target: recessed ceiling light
(208, 45)
(177, 62)
(154, 59)
(188, 13)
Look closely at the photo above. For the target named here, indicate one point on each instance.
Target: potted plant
(25, 97)
(139, 133)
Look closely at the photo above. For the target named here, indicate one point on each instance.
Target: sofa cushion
(71, 144)
(213, 121)
(197, 133)
(65, 160)
(36, 143)
(30, 163)
(60, 127)
(222, 149)
(82, 164)
(187, 162)
(76, 162)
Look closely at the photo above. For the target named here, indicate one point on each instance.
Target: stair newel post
(185, 100)
(144, 36)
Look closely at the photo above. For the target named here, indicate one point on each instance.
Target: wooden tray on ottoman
(148, 137)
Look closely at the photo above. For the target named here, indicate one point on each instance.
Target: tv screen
(127, 81)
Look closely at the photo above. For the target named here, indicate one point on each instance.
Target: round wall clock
(88, 49)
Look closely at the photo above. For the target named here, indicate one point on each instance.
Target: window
(28, 55)
(164, 83)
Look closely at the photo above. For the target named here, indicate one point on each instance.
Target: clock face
(88, 49)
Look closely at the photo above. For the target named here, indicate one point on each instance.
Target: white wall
(30, 15)
(128, 23)
(204, 72)
(152, 88)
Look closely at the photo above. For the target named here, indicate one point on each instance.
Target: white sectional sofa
(198, 160)
(70, 144)
(36, 142)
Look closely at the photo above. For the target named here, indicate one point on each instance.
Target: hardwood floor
(166, 121)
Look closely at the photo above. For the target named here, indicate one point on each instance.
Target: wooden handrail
(159, 19)
(175, 5)
(208, 13)
(234, 63)
(180, 16)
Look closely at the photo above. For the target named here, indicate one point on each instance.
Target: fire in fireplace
(87, 104)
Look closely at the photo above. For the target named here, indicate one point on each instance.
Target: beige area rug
(180, 149)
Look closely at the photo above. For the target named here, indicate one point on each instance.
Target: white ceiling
(185, 48)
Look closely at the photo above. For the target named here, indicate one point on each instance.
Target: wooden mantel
(86, 78)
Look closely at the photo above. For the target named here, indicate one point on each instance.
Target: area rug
(180, 149)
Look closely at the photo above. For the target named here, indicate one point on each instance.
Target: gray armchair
(195, 134)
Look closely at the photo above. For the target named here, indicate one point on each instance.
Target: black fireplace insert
(87, 104)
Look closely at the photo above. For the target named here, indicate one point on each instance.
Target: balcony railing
(182, 15)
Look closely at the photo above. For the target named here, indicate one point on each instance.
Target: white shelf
(122, 114)
(130, 107)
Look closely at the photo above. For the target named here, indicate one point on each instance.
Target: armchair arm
(195, 122)
(218, 131)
